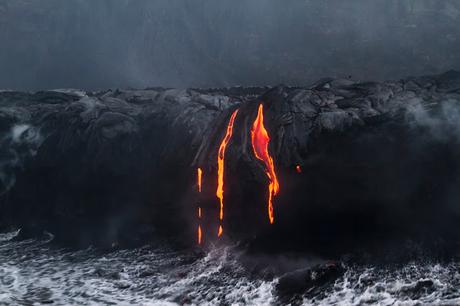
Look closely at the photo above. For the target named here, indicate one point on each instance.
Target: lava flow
(199, 175)
(260, 140)
(298, 169)
(220, 231)
(199, 227)
(221, 166)
(199, 234)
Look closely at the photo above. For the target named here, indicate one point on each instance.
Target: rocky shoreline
(118, 167)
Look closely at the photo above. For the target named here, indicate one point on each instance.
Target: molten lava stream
(199, 178)
(298, 169)
(220, 231)
(221, 168)
(260, 141)
(199, 235)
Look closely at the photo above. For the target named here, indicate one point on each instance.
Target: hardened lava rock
(377, 159)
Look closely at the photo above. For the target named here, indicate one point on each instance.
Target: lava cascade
(199, 180)
(260, 141)
(221, 168)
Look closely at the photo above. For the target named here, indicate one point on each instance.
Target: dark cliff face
(378, 161)
(96, 167)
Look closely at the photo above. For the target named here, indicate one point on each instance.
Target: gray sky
(95, 44)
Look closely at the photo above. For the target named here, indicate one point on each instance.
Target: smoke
(19, 143)
(139, 43)
(443, 122)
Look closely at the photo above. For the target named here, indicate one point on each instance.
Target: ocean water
(36, 272)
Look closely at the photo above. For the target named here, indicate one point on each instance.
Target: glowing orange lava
(260, 140)
(199, 234)
(221, 166)
(199, 176)
(298, 169)
(221, 230)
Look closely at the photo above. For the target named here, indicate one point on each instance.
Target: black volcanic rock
(305, 281)
(378, 160)
(88, 166)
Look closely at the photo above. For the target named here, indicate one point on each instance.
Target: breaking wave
(34, 271)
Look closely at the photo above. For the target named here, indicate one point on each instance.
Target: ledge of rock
(377, 160)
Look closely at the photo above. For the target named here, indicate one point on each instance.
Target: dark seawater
(35, 272)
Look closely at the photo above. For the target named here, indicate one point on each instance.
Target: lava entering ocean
(221, 168)
(260, 141)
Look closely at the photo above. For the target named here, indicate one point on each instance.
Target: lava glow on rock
(221, 168)
(260, 141)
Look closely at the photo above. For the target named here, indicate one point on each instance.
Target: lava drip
(260, 141)
(220, 231)
(221, 169)
(199, 235)
(198, 179)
